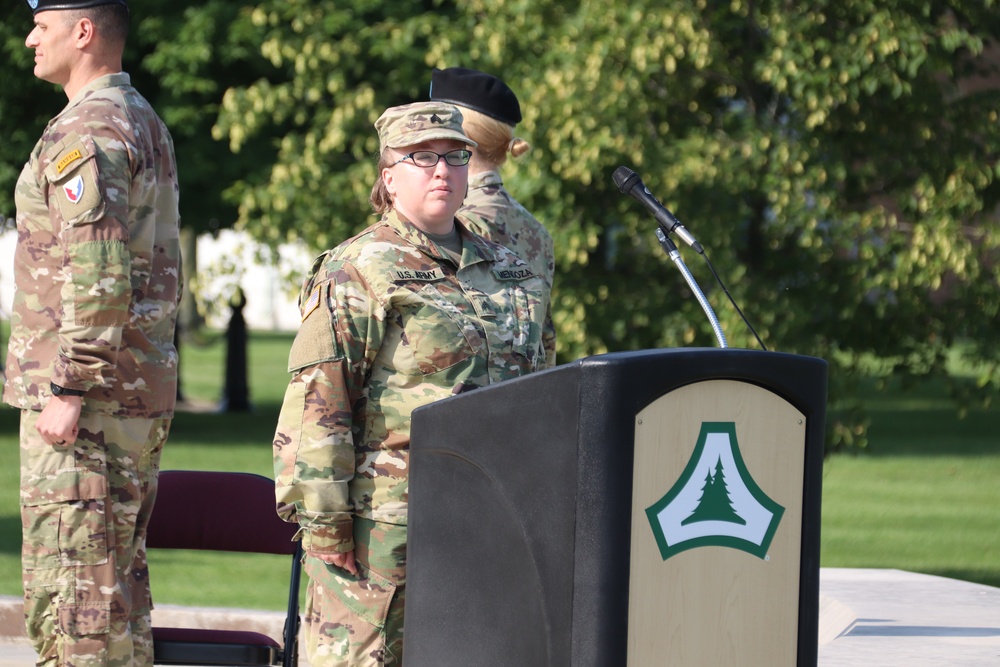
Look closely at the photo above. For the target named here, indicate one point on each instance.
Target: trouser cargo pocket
(65, 519)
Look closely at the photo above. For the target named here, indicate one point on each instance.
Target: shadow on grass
(10, 419)
(10, 535)
(937, 431)
(924, 420)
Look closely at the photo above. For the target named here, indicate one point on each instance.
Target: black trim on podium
(520, 507)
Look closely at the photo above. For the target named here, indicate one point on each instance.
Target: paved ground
(868, 618)
(891, 617)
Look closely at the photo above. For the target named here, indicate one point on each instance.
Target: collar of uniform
(413, 235)
(410, 233)
(101, 82)
(485, 179)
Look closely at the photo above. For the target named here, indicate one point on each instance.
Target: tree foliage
(24, 103)
(838, 160)
(181, 55)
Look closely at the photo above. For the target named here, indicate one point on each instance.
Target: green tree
(26, 104)
(181, 56)
(838, 162)
(189, 53)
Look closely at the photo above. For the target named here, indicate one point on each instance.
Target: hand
(58, 424)
(344, 561)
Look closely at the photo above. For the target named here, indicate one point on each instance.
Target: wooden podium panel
(712, 600)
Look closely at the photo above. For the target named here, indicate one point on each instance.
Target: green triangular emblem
(716, 501)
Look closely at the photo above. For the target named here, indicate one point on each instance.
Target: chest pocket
(434, 333)
(74, 176)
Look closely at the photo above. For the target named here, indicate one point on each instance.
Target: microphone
(629, 183)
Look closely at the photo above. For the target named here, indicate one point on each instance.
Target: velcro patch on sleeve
(315, 342)
(74, 175)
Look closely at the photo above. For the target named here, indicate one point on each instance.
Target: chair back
(218, 511)
(224, 511)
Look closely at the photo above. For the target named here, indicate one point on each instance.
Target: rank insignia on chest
(410, 275)
(74, 189)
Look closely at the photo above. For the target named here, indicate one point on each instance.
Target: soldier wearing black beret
(50, 5)
(490, 110)
(91, 360)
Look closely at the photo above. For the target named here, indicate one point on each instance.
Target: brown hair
(495, 138)
(380, 199)
(111, 21)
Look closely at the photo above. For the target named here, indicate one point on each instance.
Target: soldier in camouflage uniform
(91, 358)
(414, 309)
(490, 111)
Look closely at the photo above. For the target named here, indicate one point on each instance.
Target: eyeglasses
(455, 158)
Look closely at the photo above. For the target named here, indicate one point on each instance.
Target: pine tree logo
(715, 502)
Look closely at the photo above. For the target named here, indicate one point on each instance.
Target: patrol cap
(476, 90)
(411, 124)
(48, 5)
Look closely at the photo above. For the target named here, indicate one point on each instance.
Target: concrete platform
(890, 617)
(870, 618)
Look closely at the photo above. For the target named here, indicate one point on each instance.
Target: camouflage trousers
(84, 512)
(357, 621)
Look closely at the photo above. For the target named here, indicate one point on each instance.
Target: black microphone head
(625, 179)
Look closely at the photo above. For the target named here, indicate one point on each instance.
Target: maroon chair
(224, 511)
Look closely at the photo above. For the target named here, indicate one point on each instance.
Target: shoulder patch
(74, 189)
(68, 159)
(312, 303)
(74, 175)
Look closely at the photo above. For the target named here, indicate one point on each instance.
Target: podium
(659, 507)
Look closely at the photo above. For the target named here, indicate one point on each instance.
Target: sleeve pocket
(315, 342)
(73, 173)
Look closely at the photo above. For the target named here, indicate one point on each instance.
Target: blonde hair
(380, 198)
(495, 138)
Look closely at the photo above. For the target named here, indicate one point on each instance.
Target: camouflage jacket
(389, 325)
(97, 262)
(489, 210)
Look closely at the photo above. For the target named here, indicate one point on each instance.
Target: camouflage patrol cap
(411, 124)
(49, 5)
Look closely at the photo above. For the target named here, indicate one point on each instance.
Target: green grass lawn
(924, 497)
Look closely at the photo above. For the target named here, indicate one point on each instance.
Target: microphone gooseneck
(629, 183)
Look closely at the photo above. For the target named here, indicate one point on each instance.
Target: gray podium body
(659, 507)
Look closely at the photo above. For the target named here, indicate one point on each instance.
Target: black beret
(476, 90)
(48, 5)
